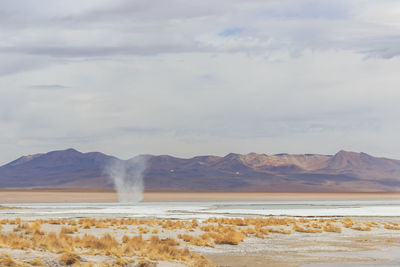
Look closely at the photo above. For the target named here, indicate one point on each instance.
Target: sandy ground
(378, 247)
(314, 250)
(35, 196)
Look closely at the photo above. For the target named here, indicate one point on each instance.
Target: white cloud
(129, 77)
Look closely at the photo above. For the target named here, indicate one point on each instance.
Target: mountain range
(343, 172)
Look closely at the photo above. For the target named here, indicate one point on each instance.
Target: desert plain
(214, 241)
(95, 195)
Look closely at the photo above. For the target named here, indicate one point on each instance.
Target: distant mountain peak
(281, 154)
(232, 155)
(342, 171)
(23, 160)
(351, 154)
(69, 150)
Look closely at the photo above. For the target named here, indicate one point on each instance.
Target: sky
(189, 78)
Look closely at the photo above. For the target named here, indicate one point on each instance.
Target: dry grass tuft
(123, 262)
(230, 237)
(6, 260)
(69, 258)
(71, 230)
(36, 262)
(330, 227)
(203, 241)
(347, 223)
(214, 231)
(391, 227)
(360, 227)
(146, 264)
(298, 228)
(275, 231)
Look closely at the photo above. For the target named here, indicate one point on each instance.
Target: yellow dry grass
(70, 230)
(392, 226)
(153, 248)
(73, 236)
(301, 229)
(36, 262)
(69, 258)
(204, 240)
(330, 227)
(6, 260)
(361, 227)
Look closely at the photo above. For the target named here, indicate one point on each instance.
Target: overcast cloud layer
(199, 77)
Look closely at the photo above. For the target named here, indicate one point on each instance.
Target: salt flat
(370, 237)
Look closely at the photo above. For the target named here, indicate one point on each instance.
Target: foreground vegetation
(124, 241)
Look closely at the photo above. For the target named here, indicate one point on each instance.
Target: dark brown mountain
(342, 172)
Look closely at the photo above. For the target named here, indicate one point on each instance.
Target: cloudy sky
(199, 77)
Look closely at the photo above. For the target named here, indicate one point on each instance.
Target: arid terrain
(113, 239)
(269, 241)
(60, 237)
(80, 195)
(177, 133)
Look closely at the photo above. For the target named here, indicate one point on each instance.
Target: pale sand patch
(70, 195)
(318, 249)
(51, 258)
(56, 196)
